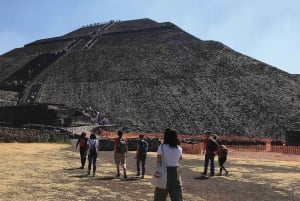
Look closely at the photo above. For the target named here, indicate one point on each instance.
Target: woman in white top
(172, 153)
(93, 148)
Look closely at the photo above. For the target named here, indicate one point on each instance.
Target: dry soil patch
(39, 171)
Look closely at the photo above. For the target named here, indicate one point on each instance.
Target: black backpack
(143, 145)
(92, 148)
(212, 145)
(122, 147)
(224, 151)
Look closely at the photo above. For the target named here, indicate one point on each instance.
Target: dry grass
(51, 172)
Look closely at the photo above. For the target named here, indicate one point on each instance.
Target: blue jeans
(92, 158)
(209, 157)
(141, 158)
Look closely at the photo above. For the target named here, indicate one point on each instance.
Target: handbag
(159, 178)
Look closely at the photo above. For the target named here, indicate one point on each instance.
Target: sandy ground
(39, 171)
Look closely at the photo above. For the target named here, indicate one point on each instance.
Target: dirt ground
(39, 171)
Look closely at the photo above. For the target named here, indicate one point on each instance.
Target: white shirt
(171, 155)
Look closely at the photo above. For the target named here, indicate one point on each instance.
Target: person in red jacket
(82, 142)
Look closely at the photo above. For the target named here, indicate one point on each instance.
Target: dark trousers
(141, 159)
(92, 158)
(209, 157)
(82, 156)
(173, 187)
(222, 160)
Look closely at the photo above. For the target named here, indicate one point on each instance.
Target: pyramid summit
(148, 76)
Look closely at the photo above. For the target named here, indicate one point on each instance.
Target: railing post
(268, 145)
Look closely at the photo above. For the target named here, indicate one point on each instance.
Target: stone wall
(108, 144)
(8, 98)
(46, 114)
(26, 135)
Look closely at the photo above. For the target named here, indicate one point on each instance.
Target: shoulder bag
(159, 178)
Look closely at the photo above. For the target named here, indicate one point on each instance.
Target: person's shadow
(73, 168)
(79, 176)
(106, 178)
(202, 177)
(111, 178)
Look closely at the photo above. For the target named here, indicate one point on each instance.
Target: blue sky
(267, 30)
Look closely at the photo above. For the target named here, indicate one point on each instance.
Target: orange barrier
(191, 148)
(254, 148)
(198, 148)
(286, 149)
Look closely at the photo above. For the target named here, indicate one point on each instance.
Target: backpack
(92, 148)
(82, 142)
(224, 151)
(143, 147)
(212, 145)
(122, 146)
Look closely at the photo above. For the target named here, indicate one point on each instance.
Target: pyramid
(146, 76)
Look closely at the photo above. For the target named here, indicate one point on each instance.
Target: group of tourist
(90, 147)
(168, 151)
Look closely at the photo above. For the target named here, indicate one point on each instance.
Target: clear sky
(267, 30)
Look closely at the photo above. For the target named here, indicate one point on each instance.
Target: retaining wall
(8, 134)
(108, 144)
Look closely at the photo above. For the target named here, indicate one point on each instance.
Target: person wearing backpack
(210, 148)
(222, 152)
(82, 142)
(93, 148)
(141, 155)
(120, 153)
